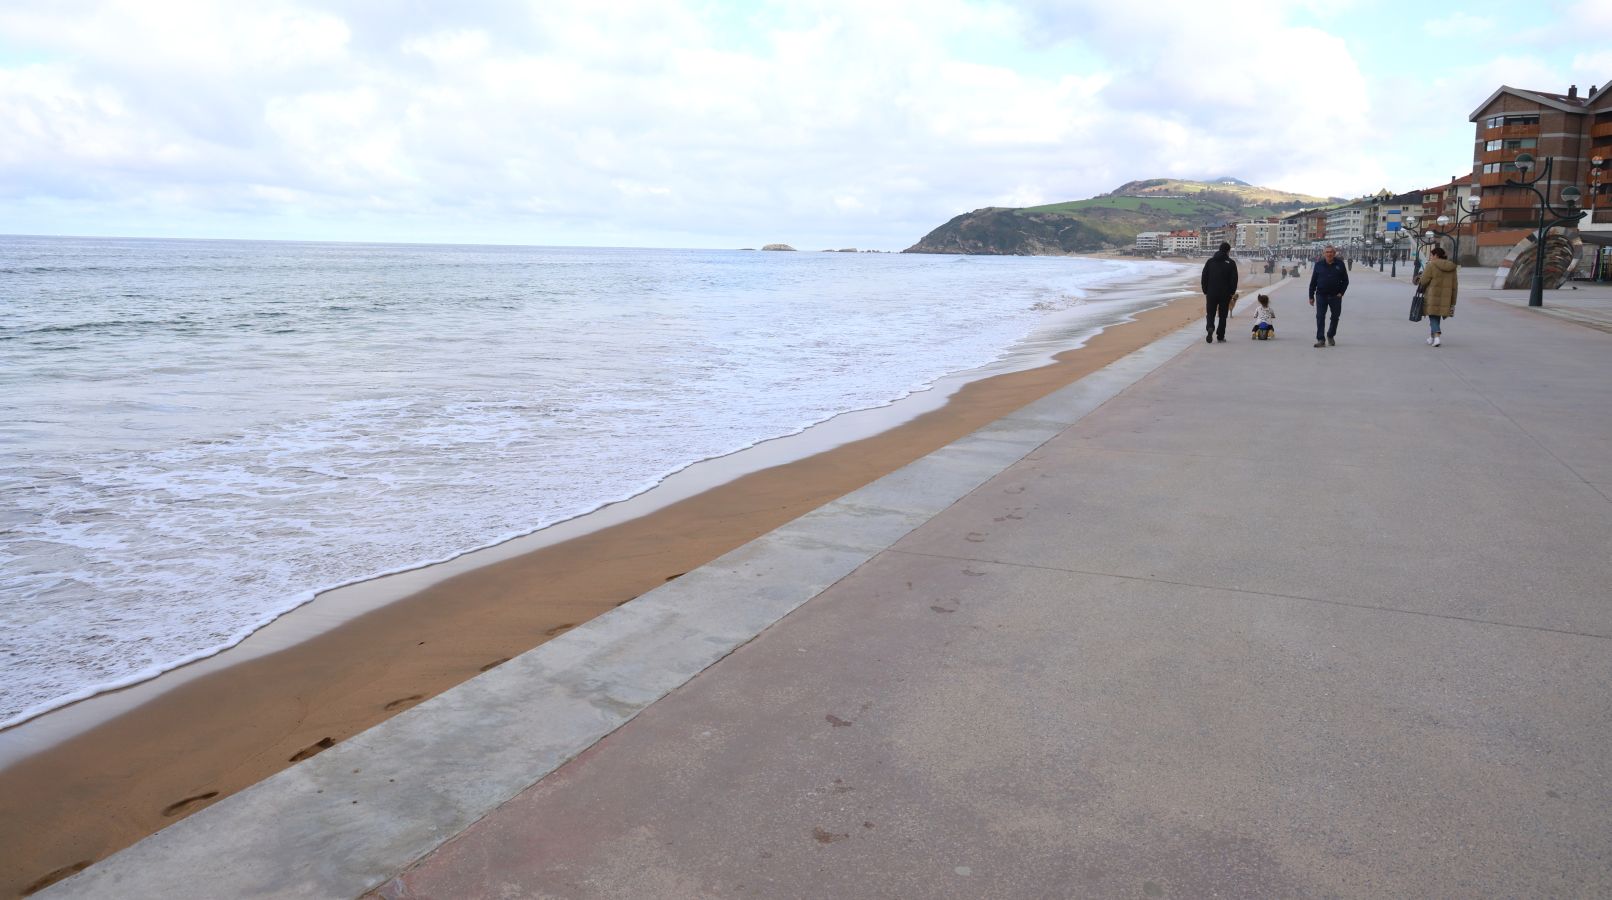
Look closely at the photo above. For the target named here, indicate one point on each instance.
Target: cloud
(654, 121)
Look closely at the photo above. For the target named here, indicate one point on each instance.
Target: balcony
(1602, 130)
(1515, 131)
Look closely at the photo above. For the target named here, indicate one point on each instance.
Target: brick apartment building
(1572, 129)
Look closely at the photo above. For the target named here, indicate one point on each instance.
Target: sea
(198, 436)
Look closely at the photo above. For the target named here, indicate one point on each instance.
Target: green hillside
(1111, 220)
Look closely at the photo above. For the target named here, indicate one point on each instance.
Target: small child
(1263, 314)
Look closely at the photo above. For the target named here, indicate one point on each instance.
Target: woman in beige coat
(1438, 284)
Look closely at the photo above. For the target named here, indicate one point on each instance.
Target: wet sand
(111, 785)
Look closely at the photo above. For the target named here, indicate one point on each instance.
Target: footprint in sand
(559, 628)
(185, 805)
(974, 537)
(313, 749)
(494, 664)
(401, 702)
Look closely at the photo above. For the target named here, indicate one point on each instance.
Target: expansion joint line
(1369, 607)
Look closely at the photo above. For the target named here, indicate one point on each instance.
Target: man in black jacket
(1329, 278)
(1219, 286)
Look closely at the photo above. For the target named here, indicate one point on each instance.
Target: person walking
(1329, 279)
(1438, 283)
(1219, 283)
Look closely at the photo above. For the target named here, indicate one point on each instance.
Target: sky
(712, 124)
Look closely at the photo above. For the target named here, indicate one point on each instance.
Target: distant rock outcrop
(777, 247)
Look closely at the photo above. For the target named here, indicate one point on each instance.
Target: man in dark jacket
(1329, 278)
(1219, 286)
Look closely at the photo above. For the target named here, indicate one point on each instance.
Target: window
(1497, 121)
(1522, 143)
(1491, 168)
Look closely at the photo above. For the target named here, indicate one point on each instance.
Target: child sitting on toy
(1263, 314)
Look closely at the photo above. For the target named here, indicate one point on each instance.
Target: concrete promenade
(1244, 620)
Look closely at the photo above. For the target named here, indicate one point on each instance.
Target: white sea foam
(199, 437)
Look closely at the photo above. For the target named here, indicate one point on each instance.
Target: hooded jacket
(1439, 281)
(1219, 276)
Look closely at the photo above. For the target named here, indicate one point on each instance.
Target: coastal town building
(1446, 210)
(1180, 243)
(1288, 230)
(1573, 131)
(1387, 215)
(1149, 241)
(1256, 235)
(1313, 227)
(1345, 225)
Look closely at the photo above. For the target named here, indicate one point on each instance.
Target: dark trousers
(1322, 304)
(1213, 307)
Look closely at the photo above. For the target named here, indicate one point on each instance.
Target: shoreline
(1058, 330)
(327, 676)
(343, 602)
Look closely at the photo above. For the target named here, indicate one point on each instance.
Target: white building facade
(1257, 235)
(1346, 225)
(1180, 243)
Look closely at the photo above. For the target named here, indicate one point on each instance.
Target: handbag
(1417, 302)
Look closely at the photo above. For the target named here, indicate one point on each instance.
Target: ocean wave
(181, 502)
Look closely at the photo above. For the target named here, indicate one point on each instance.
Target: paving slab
(1276, 621)
(1585, 303)
(935, 728)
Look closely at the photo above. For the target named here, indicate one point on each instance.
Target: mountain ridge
(1110, 220)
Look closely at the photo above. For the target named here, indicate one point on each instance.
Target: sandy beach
(106, 787)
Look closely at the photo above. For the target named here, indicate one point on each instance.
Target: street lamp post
(1597, 163)
(1434, 234)
(1429, 239)
(1410, 223)
(1464, 212)
(1570, 195)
